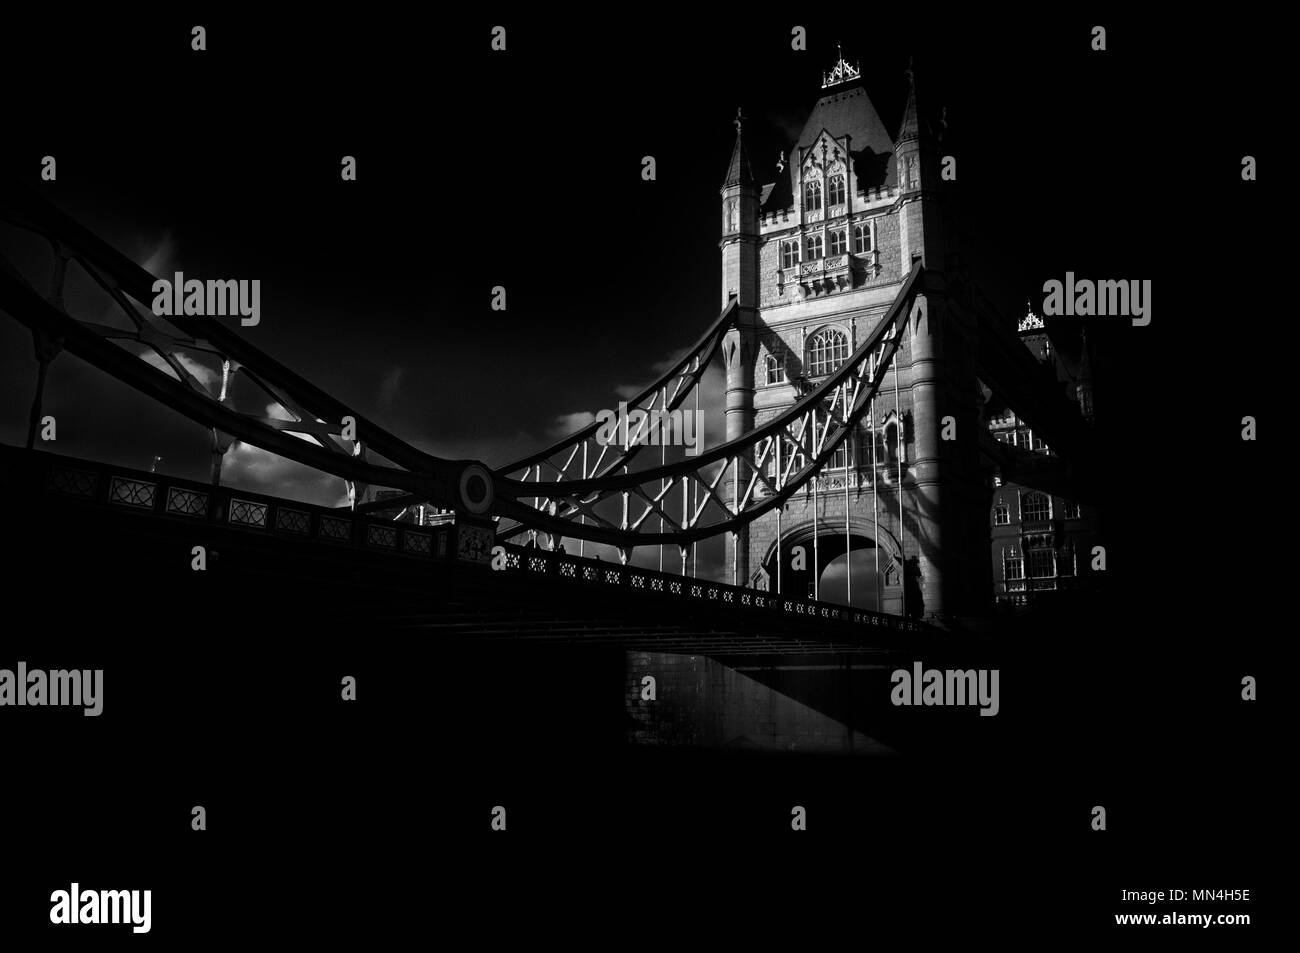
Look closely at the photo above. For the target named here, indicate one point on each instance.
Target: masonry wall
(798, 514)
(703, 703)
(1082, 532)
(881, 267)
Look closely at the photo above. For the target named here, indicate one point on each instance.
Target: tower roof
(739, 171)
(845, 109)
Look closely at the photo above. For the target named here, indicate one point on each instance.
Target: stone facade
(1041, 542)
(815, 264)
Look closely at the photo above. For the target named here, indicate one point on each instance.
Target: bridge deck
(422, 579)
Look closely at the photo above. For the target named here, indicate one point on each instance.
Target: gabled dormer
(824, 178)
(845, 110)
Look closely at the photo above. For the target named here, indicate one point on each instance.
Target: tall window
(870, 448)
(1039, 558)
(789, 254)
(1035, 507)
(1013, 567)
(838, 241)
(908, 177)
(1001, 514)
(1065, 561)
(792, 460)
(812, 196)
(835, 190)
(889, 437)
(775, 370)
(862, 238)
(827, 350)
(814, 248)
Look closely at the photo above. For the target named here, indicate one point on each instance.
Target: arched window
(862, 238)
(889, 443)
(838, 242)
(1035, 507)
(835, 190)
(814, 248)
(812, 196)
(775, 370)
(827, 350)
(891, 454)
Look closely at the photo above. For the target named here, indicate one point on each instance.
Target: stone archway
(835, 561)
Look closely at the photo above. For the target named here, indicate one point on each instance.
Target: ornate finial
(738, 120)
(1031, 321)
(780, 163)
(842, 72)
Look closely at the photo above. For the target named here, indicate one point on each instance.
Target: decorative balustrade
(155, 495)
(532, 561)
(84, 483)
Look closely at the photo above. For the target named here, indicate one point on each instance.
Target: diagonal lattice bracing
(719, 489)
(579, 487)
(664, 395)
(152, 355)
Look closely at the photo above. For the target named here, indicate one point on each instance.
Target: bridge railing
(35, 478)
(534, 561)
(76, 482)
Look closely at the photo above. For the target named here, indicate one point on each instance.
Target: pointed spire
(739, 171)
(910, 128)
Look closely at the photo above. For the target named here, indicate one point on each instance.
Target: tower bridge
(856, 468)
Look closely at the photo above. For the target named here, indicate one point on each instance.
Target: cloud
(208, 377)
(388, 387)
(159, 260)
(789, 122)
(566, 424)
(252, 468)
(656, 370)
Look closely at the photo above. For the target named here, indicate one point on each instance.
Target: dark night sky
(523, 169)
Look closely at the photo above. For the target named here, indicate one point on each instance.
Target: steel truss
(317, 418)
(733, 484)
(567, 490)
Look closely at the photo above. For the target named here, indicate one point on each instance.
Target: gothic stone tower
(815, 259)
